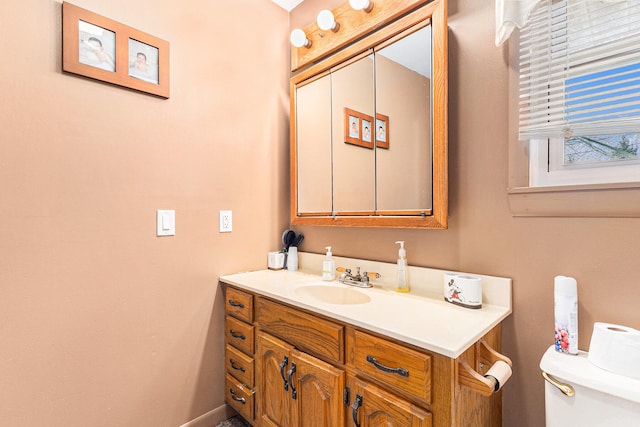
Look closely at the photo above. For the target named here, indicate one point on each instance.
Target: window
(580, 92)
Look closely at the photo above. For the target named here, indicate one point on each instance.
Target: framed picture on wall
(357, 128)
(382, 131)
(143, 61)
(102, 49)
(97, 47)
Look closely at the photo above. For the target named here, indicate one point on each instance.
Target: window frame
(589, 200)
(546, 168)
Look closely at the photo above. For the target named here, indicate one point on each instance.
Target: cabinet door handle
(400, 371)
(283, 364)
(357, 403)
(237, 399)
(237, 368)
(232, 303)
(237, 335)
(290, 372)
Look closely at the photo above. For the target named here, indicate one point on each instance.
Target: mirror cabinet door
(352, 100)
(313, 146)
(403, 124)
(369, 124)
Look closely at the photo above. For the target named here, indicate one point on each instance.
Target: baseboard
(212, 418)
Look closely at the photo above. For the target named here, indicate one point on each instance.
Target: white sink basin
(333, 294)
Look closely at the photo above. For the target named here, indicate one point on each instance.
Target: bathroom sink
(333, 294)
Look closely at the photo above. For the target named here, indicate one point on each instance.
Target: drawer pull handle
(290, 372)
(283, 365)
(400, 371)
(237, 399)
(232, 303)
(237, 335)
(237, 368)
(357, 403)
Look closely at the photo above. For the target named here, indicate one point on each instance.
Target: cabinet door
(372, 406)
(273, 392)
(317, 387)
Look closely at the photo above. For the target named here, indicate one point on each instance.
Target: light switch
(166, 223)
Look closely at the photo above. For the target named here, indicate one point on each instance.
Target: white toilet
(600, 398)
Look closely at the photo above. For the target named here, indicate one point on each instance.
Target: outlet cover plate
(226, 222)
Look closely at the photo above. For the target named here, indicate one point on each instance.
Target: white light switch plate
(166, 223)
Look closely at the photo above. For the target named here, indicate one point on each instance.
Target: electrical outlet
(226, 222)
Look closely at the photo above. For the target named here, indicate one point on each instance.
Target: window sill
(601, 200)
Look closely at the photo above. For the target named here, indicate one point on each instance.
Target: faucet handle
(343, 270)
(372, 274)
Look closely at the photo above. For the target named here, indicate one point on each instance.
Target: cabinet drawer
(304, 331)
(239, 304)
(240, 397)
(239, 335)
(394, 364)
(239, 365)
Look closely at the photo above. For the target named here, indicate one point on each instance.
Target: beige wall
(483, 237)
(104, 324)
(101, 322)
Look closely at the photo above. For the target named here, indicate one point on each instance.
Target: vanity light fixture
(299, 38)
(326, 21)
(366, 5)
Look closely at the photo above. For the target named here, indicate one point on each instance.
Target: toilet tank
(601, 398)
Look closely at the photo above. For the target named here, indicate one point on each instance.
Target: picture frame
(382, 131)
(357, 128)
(100, 48)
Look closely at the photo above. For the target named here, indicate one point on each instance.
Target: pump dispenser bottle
(328, 266)
(403, 272)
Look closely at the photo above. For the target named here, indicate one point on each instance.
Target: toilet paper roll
(616, 349)
(500, 372)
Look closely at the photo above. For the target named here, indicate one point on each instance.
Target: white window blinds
(580, 69)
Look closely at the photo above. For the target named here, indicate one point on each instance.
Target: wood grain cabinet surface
(296, 368)
(239, 353)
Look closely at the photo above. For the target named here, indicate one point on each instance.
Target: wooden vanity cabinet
(239, 352)
(295, 388)
(314, 371)
(374, 406)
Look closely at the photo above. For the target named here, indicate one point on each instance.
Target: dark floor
(233, 422)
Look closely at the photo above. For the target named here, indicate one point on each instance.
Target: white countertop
(424, 321)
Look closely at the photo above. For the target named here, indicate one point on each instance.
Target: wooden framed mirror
(369, 119)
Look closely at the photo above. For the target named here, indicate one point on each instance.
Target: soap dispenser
(328, 266)
(403, 272)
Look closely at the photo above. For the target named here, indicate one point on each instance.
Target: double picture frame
(360, 129)
(100, 48)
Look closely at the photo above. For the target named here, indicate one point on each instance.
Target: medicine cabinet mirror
(368, 131)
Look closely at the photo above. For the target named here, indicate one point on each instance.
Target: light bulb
(326, 21)
(365, 5)
(299, 38)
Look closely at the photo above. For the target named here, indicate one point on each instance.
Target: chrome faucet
(359, 280)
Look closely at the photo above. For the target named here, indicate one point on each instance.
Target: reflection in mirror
(352, 88)
(403, 125)
(369, 124)
(313, 126)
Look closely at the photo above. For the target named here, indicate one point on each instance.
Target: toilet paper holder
(471, 374)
